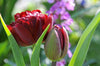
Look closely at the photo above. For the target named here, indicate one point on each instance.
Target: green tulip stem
(53, 63)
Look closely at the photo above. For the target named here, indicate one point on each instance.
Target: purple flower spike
(70, 54)
(66, 26)
(61, 63)
(65, 16)
(70, 5)
(51, 1)
(59, 11)
(69, 51)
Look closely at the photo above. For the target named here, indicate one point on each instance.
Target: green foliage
(84, 42)
(4, 49)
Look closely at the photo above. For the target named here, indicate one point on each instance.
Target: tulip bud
(56, 45)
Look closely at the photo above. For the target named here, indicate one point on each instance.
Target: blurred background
(84, 12)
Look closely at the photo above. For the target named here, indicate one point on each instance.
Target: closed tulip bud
(28, 26)
(56, 45)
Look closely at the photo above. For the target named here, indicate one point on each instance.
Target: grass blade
(84, 42)
(14, 46)
(36, 49)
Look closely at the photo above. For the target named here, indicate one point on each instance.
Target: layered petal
(22, 35)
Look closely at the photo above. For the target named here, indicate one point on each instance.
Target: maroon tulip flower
(28, 26)
(56, 43)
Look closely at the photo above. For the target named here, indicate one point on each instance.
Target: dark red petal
(36, 11)
(9, 27)
(17, 15)
(66, 42)
(48, 20)
(61, 39)
(60, 34)
(19, 41)
(32, 21)
(38, 29)
(23, 34)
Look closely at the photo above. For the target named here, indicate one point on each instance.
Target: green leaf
(36, 49)
(4, 49)
(15, 49)
(84, 42)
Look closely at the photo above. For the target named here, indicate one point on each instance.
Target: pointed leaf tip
(15, 48)
(5, 27)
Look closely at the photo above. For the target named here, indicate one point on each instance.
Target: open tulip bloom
(28, 26)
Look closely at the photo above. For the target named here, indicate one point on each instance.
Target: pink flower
(70, 5)
(61, 62)
(69, 51)
(59, 11)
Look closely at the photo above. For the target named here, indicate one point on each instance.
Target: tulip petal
(38, 31)
(23, 34)
(66, 42)
(49, 21)
(59, 30)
